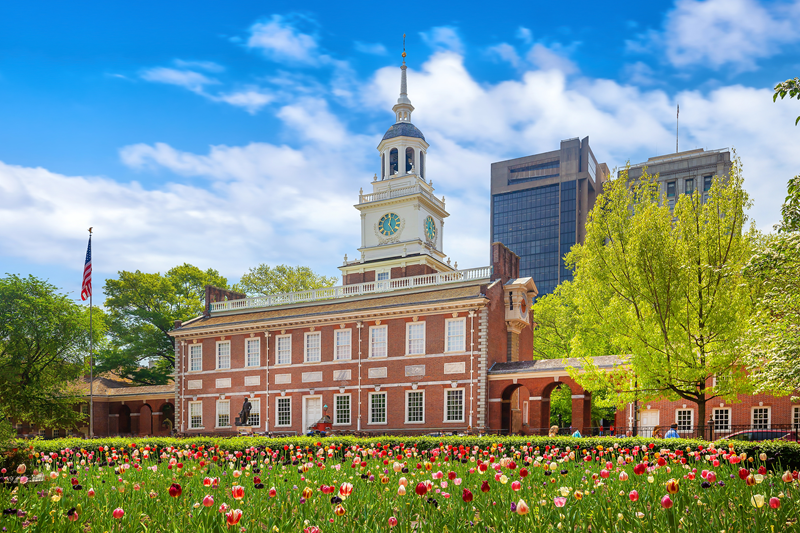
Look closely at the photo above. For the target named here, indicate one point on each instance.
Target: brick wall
(215, 294)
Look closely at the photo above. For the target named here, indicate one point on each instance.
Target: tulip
(345, 490)
(118, 513)
(763, 456)
(21, 469)
(743, 473)
(237, 491)
(339, 511)
(421, 489)
(639, 469)
(711, 477)
(774, 502)
(233, 517)
(307, 492)
(224, 508)
(672, 486)
(522, 508)
(787, 477)
(207, 482)
(403, 481)
(273, 492)
(485, 486)
(623, 476)
(401, 490)
(208, 501)
(90, 493)
(750, 480)
(559, 501)
(633, 495)
(466, 495)
(666, 502)
(516, 485)
(757, 500)
(175, 490)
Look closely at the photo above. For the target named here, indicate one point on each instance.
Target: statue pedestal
(244, 430)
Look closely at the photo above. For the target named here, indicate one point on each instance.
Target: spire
(403, 108)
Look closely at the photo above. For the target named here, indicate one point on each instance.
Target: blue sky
(228, 137)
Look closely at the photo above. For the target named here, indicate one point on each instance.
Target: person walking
(673, 432)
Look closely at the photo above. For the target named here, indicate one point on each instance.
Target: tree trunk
(701, 415)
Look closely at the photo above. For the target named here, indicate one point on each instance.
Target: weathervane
(404, 48)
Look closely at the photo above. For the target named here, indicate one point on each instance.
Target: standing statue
(244, 415)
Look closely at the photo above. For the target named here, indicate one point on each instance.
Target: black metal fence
(710, 432)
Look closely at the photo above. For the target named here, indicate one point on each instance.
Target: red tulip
(523, 472)
(233, 517)
(118, 513)
(421, 489)
(633, 495)
(774, 502)
(175, 490)
(743, 473)
(466, 495)
(208, 501)
(237, 491)
(485, 486)
(392, 521)
(273, 492)
(666, 502)
(345, 490)
(639, 469)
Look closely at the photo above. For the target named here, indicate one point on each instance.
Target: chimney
(505, 263)
(215, 294)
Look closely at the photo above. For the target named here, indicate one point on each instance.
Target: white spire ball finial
(403, 108)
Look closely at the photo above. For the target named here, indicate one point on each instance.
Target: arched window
(393, 161)
(422, 164)
(383, 165)
(409, 159)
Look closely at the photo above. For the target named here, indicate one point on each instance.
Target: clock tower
(402, 220)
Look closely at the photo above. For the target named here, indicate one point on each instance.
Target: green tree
(665, 288)
(774, 271)
(44, 346)
(142, 309)
(264, 280)
(789, 87)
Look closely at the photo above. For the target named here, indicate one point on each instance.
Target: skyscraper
(539, 207)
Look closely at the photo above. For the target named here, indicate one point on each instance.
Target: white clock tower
(402, 219)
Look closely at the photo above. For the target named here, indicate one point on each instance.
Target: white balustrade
(397, 193)
(356, 289)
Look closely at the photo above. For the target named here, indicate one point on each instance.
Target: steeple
(403, 107)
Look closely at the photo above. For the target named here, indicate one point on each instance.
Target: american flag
(86, 287)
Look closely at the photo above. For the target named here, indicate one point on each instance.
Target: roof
(109, 385)
(403, 129)
(321, 309)
(549, 365)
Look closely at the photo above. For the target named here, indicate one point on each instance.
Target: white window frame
(42, 432)
(795, 416)
(447, 347)
(718, 427)
(195, 357)
(278, 402)
(306, 336)
(56, 433)
(255, 413)
(463, 405)
(691, 420)
(379, 273)
(336, 410)
(336, 355)
(225, 404)
(525, 413)
(278, 350)
(385, 408)
(247, 354)
(753, 414)
(409, 327)
(372, 329)
(220, 344)
(408, 395)
(191, 423)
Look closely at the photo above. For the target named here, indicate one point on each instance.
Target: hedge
(783, 454)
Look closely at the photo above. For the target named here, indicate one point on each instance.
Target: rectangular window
(377, 407)
(685, 419)
(671, 189)
(85, 409)
(42, 433)
(689, 186)
(415, 407)
(454, 329)
(415, 338)
(383, 276)
(284, 408)
(56, 433)
(343, 342)
(223, 413)
(454, 405)
(796, 417)
(252, 349)
(707, 183)
(195, 357)
(223, 355)
(195, 415)
(312, 351)
(760, 417)
(377, 341)
(722, 419)
(255, 413)
(341, 404)
(284, 349)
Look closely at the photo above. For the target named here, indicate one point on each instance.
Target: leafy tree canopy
(264, 280)
(44, 347)
(790, 88)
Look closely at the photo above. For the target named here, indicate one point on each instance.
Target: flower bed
(376, 485)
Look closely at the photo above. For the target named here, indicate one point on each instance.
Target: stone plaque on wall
(311, 377)
(455, 368)
(283, 378)
(379, 372)
(194, 384)
(341, 375)
(250, 381)
(415, 370)
(224, 383)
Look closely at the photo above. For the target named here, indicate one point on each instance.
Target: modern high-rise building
(539, 207)
(684, 172)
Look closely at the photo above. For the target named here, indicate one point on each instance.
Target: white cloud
(209, 66)
(280, 40)
(639, 73)
(552, 58)
(376, 49)
(718, 33)
(251, 100)
(193, 81)
(525, 35)
(505, 52)
(443, 38)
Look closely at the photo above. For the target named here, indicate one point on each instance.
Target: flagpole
(91, 360)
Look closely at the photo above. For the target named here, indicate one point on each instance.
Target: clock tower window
(392, 162)
(422, 164)
(383, 166)
(409, 159)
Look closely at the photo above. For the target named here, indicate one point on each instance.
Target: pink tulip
(604, 473)
(516, 485)
(559, 501)
(666, 501)
(633, 495)
(392, 521)
(21, 469)
(208, 501)
(711, 477)
(774, 502)
(118, 513)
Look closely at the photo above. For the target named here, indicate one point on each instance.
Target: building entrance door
(648, 422)
(312, 411)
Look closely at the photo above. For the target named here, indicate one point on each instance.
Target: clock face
(389, 224)
(430, 228)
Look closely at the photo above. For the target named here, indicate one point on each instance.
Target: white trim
(336, 332)
(349, 410)
(306, 335)
(385, 328)
(278, 351)
(306, 422)
(409, 325)
(385, 409)
(254, 411)
(216, 419)
(409, 393)
(526, 412)
(463, 347)
(278, 400)
(189, 411)
(463, 405)
(191, 346)
(216, 362)
(691, 420)
(795, 416)
(247, 341)
(753, 412)
(714, 418)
